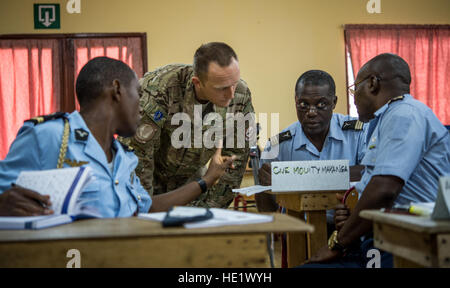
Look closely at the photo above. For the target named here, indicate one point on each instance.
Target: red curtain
(426, 48)
(126, 49)
(29, 84)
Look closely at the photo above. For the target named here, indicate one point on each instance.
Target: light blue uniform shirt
(36, 147)
(339, 144)
(409, 142)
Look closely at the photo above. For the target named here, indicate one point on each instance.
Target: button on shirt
(411, 143)
(113, 194)
(339, 144)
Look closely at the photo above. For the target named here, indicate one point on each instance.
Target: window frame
(67, 93)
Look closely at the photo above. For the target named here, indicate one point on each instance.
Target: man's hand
(265, 175)
(217, 167)
(341, 213)
(19, 201)
(324, 255)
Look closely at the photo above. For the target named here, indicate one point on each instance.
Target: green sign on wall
(46, 16)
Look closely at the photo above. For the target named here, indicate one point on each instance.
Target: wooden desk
(133, 242)
(314, 206)
(414, 241)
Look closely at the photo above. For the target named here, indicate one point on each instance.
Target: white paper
(249, 191)
(224, 217)
(158, 216)
(221, 217)
(323, 175)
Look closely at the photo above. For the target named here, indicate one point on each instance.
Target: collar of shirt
(335, 132)
(383, 108)
(92, 148)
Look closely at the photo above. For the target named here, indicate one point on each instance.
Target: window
(38, 72)
(426, 48)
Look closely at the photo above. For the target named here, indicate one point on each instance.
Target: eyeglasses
(351, 92)
(305, 107)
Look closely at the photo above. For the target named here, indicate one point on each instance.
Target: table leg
(319, 238)
(296, 243)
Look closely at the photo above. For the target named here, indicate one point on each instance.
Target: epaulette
(396, 98)
(353, 125)
(126, 147)
(44, 118)
(283, 136)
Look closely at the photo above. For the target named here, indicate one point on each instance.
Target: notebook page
(55, 182)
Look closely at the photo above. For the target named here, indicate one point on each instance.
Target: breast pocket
(370, 157)
(138, 200)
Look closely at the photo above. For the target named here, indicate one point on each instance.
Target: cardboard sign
(324, 175)
(442, 207)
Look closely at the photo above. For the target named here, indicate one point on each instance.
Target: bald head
(390, 68)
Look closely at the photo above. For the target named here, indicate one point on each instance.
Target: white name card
(310, 175)
(442, 207)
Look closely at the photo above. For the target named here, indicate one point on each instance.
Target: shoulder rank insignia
(43, 118)
(75, 163)
(81, 134)
(353, 125)
(283, 136)
(396, 98)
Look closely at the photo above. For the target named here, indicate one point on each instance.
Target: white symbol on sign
(46, 20)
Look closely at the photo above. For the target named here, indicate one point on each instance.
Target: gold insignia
(75, 163)
(145, 132)
(396, 98)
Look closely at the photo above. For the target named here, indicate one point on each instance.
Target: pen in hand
(43, 201)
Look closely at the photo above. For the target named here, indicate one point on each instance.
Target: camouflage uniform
(163, 168)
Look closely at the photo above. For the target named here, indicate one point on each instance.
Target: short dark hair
(316, 78)
(390, 65)
(99, 73)
(217, 52)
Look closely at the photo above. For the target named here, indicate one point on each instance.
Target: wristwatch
(333, 243)
(202, 184)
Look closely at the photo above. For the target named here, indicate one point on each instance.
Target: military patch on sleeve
(158, 115)
(43, 118)
(145, 132)
(283, 136)
(353, 125)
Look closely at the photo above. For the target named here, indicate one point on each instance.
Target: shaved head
(389, 67)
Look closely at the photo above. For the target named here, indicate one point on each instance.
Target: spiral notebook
(64, 187)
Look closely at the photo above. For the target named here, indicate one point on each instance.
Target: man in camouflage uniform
(212, 82)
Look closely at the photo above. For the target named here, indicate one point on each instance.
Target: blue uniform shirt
(339, 144)
(409, 142)
(36, 147)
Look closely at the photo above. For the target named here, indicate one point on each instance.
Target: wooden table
(301, 246)
(414, 241)
(133, 242)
